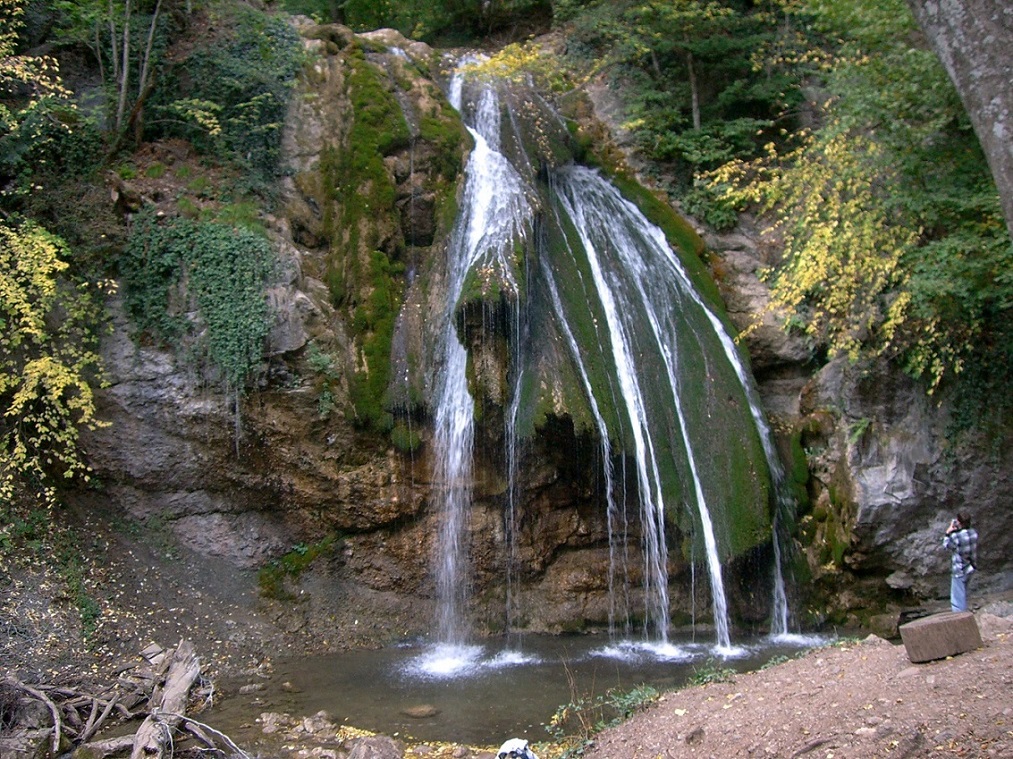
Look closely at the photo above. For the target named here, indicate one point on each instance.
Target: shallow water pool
(484, 693)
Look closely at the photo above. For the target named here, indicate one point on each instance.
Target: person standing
(962, 542)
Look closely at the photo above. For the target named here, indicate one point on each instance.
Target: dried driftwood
(154, 736)
(38, 695)
(158, 689)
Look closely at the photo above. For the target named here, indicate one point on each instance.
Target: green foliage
(273, 577)
(218, 268)
(40, 128)
(574, 724)
(446, 21)
(328, 377)
(321, 11)
(775, 661)
(711, 672)
(895, 243)
(689, 75)
(703, 203)
(230, 94)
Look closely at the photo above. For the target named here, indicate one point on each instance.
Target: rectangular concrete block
(941, 635)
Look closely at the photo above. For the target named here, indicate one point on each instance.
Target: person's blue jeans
(958, 593)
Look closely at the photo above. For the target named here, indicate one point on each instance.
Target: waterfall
(494, 211)
(512, 467)
(784, 502)
(618, 576)
(659, 372)
(641, 283)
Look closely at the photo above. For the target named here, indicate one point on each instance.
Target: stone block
(940, 635)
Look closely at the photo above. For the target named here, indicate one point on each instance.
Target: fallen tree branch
(165, 689)
(155, 733)
(93, 726)
(109, 746)
(53, 709)
(200, 730)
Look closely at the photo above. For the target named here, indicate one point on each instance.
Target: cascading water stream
(623, 266)
(784, 502)
(513, 473)
(493, 212)
(618, 571)
(590, 191)
(639, 280)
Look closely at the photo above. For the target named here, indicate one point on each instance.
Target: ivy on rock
(200, 285)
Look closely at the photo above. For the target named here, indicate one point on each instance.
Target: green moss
(273, 578)
(799, 468)
(585, 316)
(363, 280)
(404, 438)
(373, 323)
(447, 134)
(681, 236)
(356, 179)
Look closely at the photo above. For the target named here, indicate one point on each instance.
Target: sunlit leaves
(523, 63)
(29, 85)
(842, 251)
(47, 361)
(890, 225)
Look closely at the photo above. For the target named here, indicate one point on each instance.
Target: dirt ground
(842, 702)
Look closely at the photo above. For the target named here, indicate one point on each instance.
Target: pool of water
(484, 693)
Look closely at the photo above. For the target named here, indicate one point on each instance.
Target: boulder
(940, 635)
(376, 747)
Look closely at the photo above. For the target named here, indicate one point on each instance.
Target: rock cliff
(320, 458)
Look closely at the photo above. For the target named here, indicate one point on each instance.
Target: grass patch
(575, 724)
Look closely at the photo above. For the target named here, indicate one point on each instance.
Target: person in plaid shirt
(962, 542)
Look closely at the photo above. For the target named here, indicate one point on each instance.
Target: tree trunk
(152, 738)
(972, 38)
(694, 91)
(124, 82)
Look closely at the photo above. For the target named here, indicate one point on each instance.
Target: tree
(47, 349)
(127, 62)
(688, 75)
(892, 232)
(682, 29)
(47, 362)
(972, 39)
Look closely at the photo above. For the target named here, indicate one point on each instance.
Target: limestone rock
(940, 635)
(888, 456)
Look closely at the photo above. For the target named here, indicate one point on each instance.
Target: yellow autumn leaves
(46, 363)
